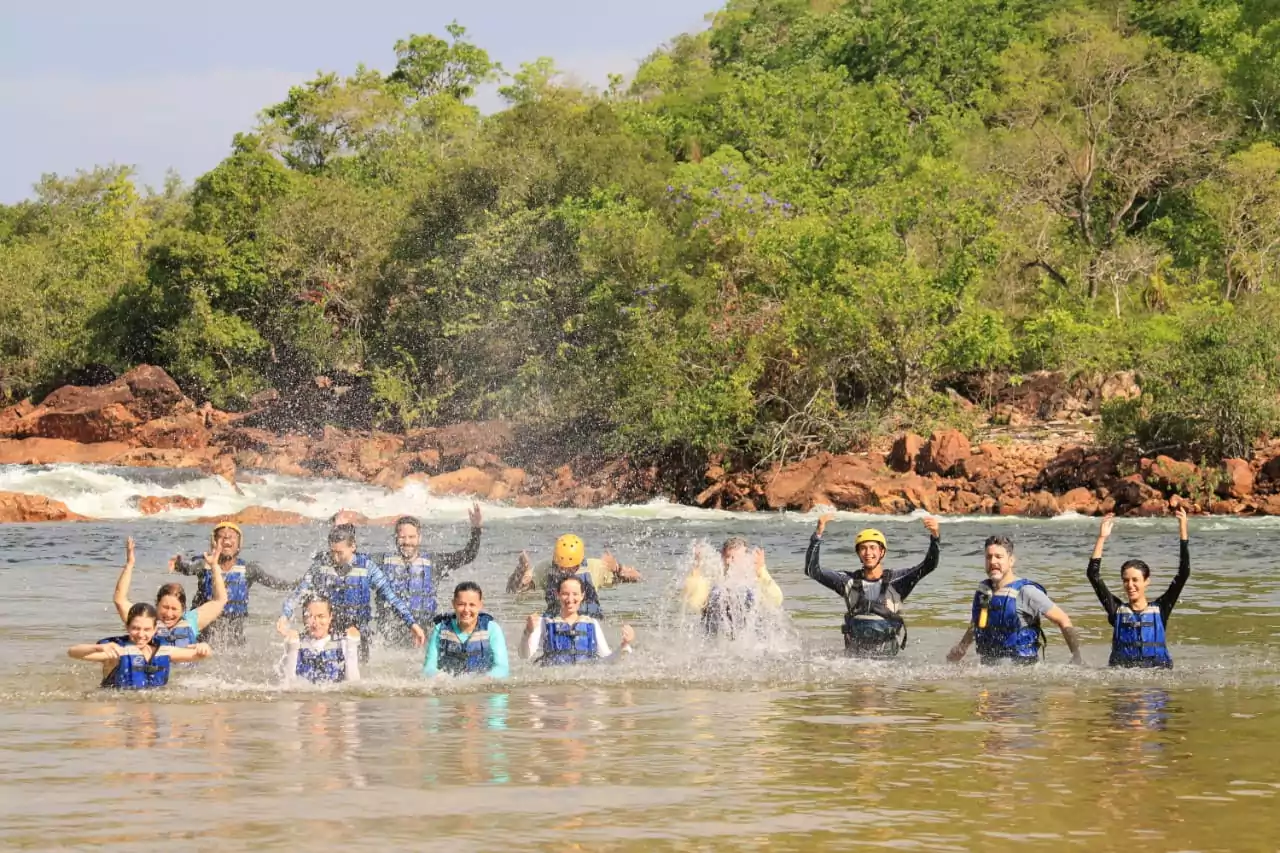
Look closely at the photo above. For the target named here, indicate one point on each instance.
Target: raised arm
(834, 581)
(448, 562)
(121, 597)
(531, 642)
(521, 579)
(905, 581)
(209, 611)
(1170, 596)
(1108, 601)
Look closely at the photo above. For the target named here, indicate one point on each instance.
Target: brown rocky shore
(1038, 462)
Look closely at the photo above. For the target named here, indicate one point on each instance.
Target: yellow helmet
(570, 551)
(871, 535)
(230, 525)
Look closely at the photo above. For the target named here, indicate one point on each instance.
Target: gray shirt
(1033, 602)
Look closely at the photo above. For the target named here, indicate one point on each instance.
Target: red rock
(1237, 480)
(481, 459)
(1079, 500)
(184, 432)
(245, 438)
(906, 449)
(18, 508)
(1133, 491)
(1271, 469)
(1042, 505)
(1152, 507)
(53, 451)
(1119, 385)
(991, 451)
(112, 422)
(162, 457)
(1170, 474)
(257, 515)
(464, 481)
(975, 468)
(965, 502)
(10, 417)
(943, 453)
(390, 477)
(1011, 505)
(154, 394)
(789, 486)
(150, 505)
(1228, 507)
(513, 478)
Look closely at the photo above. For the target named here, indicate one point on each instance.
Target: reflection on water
(767, 741)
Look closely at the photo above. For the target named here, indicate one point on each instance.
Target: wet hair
(316, 599)
(409, 520)
(468, 586)
(142, 608)
(732, 543)
(343, 533)
(574, 578)
(1001, 541)
(1136, 564)
(174, 589)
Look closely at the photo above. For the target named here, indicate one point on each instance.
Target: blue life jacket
(873, 626)
(565, 643)
(350, 594)
(329, 665)
(474, 655)
(590, 598)
(1004, 635)
(725, 608)
(134, 671)
(180, 635)
(237, 581)
(1137, 639)
(414, 581)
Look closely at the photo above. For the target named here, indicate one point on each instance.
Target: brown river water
(776, 743)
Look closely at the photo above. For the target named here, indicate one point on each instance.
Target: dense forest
(792, 231)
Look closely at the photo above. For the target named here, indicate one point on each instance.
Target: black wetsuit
(901, 581)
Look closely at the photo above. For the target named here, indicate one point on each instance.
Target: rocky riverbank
(1042, 464)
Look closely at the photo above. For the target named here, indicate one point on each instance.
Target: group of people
(346, 596)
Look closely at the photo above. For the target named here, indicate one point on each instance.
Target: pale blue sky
(166, 84)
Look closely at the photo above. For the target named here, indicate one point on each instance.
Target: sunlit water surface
(773, 742)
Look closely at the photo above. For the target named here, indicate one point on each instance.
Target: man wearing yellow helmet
(873, 595)
(570, 560)
(225, 545)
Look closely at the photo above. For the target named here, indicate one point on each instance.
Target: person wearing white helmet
(873, 595)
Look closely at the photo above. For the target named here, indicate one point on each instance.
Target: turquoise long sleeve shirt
(497, 642)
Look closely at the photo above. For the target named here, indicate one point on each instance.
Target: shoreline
(1035, 467)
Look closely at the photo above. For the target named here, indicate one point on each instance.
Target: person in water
(1138, 624)
(570, 560)
(138, 660)
(568, 637)
(177, 626)
(873, 595)
(470, 642)
(238, 575)
(321, 657)
(416, 576)
(349, 581)
(1007, 613)
(741, 583)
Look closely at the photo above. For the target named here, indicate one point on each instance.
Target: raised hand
(282, 626)
(930, 524)
(824, 520)
(757, 555)
(173, 563)
(128, 551)
(1108, 523)
(628, 635)
(531, 624)
(475, 517)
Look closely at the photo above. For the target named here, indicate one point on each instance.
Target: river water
(776, 744)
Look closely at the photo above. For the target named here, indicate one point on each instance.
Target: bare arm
(188, 654)
(532, 639)
(95, 652)
(959, 650)
(121, 597)
(209, 611)
(1070, 633)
